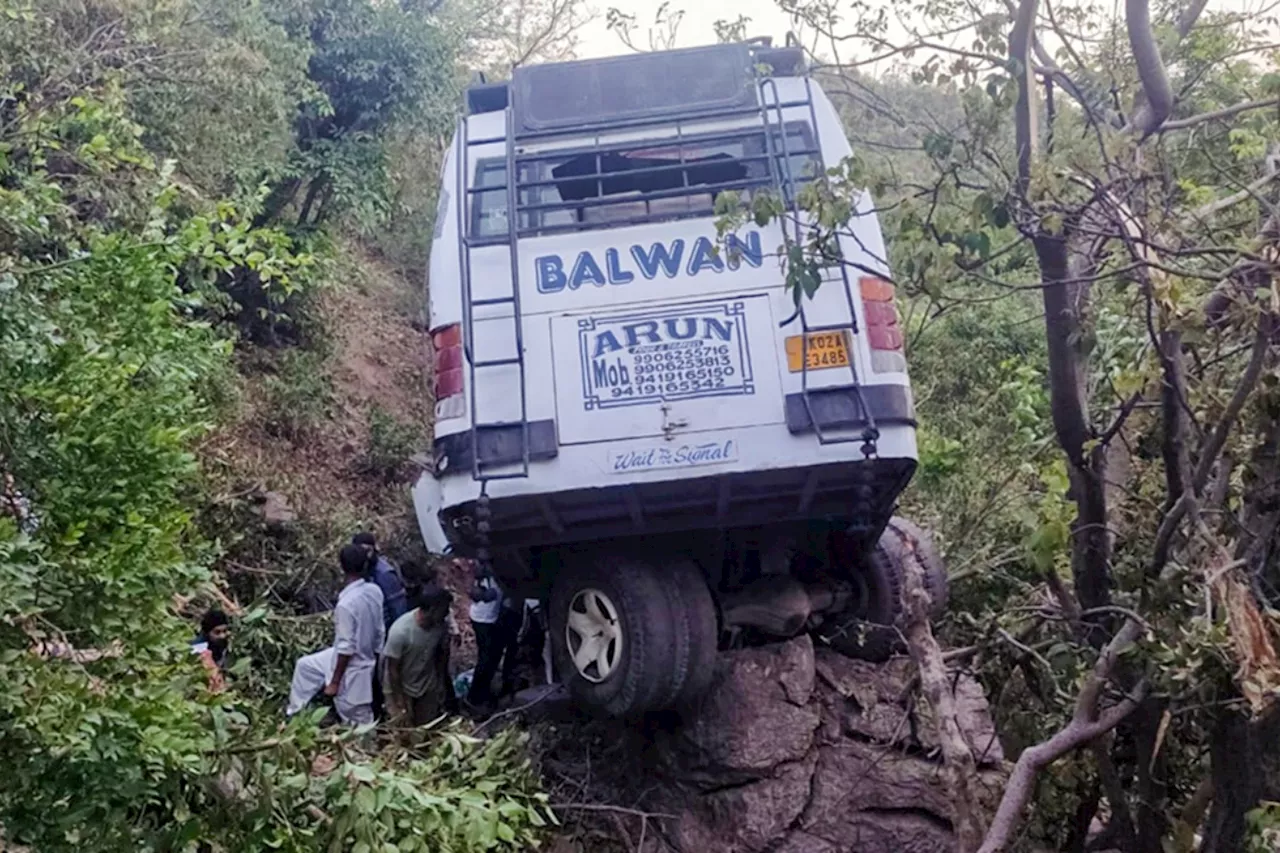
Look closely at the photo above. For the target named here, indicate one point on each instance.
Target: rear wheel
(698, 630)
(630, 636)
(869, 628)
(935, 571)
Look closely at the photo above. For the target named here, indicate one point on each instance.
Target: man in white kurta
(345, 670)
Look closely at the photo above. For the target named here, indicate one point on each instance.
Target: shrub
(299, 394)
(391, 443)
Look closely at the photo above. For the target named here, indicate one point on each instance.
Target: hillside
(214, 220)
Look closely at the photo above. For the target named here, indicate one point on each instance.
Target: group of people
(390, 654)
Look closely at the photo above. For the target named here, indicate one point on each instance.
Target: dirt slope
(322, 437)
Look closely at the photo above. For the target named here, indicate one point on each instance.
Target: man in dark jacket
(395, 602)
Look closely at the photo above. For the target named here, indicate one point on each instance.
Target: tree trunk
(280, 197)
(313, 191)
(1062, 267)
(1236, 784)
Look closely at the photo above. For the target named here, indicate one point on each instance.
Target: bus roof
(622, 89)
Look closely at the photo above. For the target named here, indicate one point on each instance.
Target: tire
(935, 570)
(870, 628)
(694, 615)
(867, 629)
(640, 660)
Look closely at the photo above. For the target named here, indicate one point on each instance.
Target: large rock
(804, 751)
(756, 718)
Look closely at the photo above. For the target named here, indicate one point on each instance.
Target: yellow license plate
(826, 349)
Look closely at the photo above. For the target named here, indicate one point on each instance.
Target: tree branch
(1205, 211)
(1218, 438)
(1156, 90)
(960, 768)
(1024, 116)
(1088, 722)
(1225, 112)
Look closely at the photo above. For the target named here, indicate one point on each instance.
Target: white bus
(634, 422)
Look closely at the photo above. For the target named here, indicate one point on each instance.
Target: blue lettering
(633, 459)
(704, 255)
(551, 278)
(649, 329)
(744, 250)
(606, 342)
(607, 375)
(659, 256)
(712, 327)
(617, 275)
(690, 328)
(586, 271)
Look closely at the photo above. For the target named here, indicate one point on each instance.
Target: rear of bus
(605, 363)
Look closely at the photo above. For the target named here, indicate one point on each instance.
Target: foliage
(376, 67)
(215, 84)
(126, 279)
(299, 393)
(1264, 825)
(391, 443)
(454, 793)
(1080, 312)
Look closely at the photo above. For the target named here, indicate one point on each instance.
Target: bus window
(489, 206)
(645, 182)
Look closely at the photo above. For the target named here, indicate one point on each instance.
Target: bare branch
(1225, 112)
(1156, 89)
(1218, 438)
(1235, 198)
(1213, 445)
(1088, 722)
(960, 768)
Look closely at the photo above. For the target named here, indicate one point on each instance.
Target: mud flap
(428, 498)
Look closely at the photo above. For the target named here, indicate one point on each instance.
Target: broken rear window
(645, 182)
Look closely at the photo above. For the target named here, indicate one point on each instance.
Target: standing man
(496, 619)
(395, 602)
(345, 670)
(415, 661)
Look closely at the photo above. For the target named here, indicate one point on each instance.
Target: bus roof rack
(601, 92)
(595, 91)
(488, 97)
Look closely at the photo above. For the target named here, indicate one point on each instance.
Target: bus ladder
(480, 470)
(785, 184)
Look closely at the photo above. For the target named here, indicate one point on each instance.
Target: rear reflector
(449, 381)
(884, 333)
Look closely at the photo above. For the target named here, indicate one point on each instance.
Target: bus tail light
(449, 382)
(884, 333)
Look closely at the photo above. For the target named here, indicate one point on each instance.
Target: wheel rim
(593, 634)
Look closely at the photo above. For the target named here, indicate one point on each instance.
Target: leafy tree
(376, 67)
(114, 272)
(1118, 170)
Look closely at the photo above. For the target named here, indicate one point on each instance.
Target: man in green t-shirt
(415, 661)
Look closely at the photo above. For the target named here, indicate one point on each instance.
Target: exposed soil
(292, 500)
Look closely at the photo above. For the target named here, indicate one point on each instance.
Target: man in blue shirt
(395, 602)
